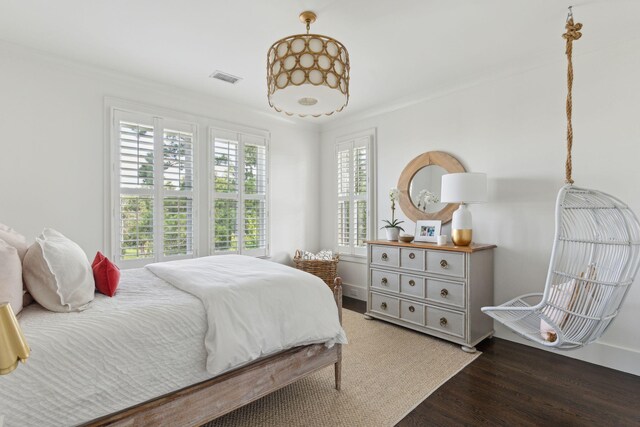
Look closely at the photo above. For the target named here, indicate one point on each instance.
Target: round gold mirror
(420, 184)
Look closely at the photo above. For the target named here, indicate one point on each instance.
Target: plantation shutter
(226, 192)
(239, 178)
(353, 160)
(178, 212)
(137, 185)
(154, 211)
(254, 196)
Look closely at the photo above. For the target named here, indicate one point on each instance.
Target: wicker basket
(327, 270)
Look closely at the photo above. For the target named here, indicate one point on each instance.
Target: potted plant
(392, 228)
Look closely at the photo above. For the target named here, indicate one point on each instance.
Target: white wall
(52, 146)
(513, 129)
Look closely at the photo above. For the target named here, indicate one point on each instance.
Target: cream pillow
(10, 276)
(58, 274)
(15, 239)
(562, 296)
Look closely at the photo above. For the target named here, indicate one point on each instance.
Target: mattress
(146, 341)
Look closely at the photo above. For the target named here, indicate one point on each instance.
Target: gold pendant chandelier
(308, 74)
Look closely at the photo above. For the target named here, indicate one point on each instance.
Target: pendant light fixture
(308, 74)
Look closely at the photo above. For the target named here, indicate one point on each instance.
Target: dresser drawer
(385, 255)
(445, 292)
(412, 259)
(412, 312)
(385, 305)
(445, 321)
(445, 263)
(412, 285)
(385, 280)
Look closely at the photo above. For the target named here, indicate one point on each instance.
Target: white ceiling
(398, 48)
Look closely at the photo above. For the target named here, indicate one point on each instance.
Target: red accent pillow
(106, 274)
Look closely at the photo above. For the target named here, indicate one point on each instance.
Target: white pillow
(10, 276)
(561, 296)
(15, 239)
(58, 274)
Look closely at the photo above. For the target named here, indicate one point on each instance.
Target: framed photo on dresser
(427, 231)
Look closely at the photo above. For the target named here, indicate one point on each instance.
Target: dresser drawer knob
(412, 255)
(444, 263)
(443, 321)
(385, 256)
(444, 293)
(383, 306)
(412, 308)
(412, 282)
(384, 281)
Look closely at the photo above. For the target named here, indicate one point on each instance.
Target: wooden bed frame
(203, 402)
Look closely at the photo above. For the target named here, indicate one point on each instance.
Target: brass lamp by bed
(13, 345)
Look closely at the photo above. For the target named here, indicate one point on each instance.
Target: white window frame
(160, 123)
(356, 254)
(239, 135)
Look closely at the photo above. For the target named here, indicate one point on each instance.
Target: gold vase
(461, 237)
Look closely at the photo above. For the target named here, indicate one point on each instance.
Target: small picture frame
(427, 231)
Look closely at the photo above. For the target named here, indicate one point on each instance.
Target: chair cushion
(57, 273)
(562, 296)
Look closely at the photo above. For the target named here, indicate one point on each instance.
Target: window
(354, 160)
(239, 188)
(153, 171)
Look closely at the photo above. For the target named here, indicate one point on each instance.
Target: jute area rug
(386, 372)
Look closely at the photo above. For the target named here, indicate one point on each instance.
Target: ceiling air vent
(225, 77)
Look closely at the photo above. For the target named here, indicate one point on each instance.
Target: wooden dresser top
(474, 247)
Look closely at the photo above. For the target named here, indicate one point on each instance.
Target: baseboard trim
(599, 353)
(354, 291)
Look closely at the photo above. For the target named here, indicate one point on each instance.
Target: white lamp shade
(468, 187)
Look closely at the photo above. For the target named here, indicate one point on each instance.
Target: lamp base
(461, 237)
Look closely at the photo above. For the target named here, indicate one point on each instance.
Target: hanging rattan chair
(595, 258)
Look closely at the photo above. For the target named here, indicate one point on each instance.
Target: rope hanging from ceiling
(573, 33)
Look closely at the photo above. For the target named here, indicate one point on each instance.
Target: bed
(143, 357)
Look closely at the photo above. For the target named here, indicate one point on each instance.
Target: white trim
(354, 291)
(600, 352)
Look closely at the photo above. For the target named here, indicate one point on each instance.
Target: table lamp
(13, 346)
(463, 188)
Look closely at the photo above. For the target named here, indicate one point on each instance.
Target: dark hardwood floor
(515, 385)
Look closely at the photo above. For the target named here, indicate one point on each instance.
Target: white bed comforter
(254, 307)
(146, 341)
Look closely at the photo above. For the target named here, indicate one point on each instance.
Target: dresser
(437, 290)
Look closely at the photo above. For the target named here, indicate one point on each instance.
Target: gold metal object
(307, 59)
(444, 293)
(461, 237)
(444, 263)
(412, 308)
(13, 345)
(412, 282)
(443, 321)
(383, 306)
(308, 17)
(384, 281)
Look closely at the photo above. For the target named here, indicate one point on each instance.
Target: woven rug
(386, 372)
